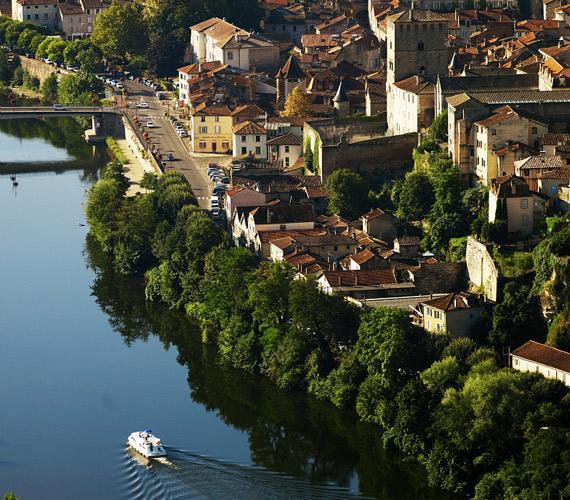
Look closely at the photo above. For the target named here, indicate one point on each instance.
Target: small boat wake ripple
(188, 475)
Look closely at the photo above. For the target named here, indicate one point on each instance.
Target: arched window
(422, 70)
(421, 46)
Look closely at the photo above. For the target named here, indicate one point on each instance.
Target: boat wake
(188, 475)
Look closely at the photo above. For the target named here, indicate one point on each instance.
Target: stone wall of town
(440, 277)
(135, 145)
(481, 268)
(39, 69)
(386, 156)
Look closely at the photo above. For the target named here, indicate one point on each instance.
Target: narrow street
(165, 137)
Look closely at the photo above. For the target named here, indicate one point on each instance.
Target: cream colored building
(413, 105)
(505, 124)
(217, 40)
(540, 358)
(211, 129)
(249, 138)
(39, 12)
(510, 199)
(455, 314)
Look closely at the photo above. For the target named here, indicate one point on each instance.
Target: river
(85, 361)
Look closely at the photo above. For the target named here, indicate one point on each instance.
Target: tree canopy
(348, 193)
(298, 105)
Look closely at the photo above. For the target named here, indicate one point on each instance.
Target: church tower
(288, 77)
(417, 44)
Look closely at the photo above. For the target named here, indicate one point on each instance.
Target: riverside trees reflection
(289, 433)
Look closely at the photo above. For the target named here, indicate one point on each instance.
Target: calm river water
(84, 361)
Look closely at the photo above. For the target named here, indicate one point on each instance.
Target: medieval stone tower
(288, 77)
(417, 44)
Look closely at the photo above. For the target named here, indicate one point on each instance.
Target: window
(230, 55)
(286, 161)
(202, 144)
(525, 220)
(258, 151)
(225, 145)
(203, 130)
(46, 15)
(438, 327)
(243, 138)
(516, 362)
(217, 129)
(534, 130)
(216, 119)
(282, 227)
(88, 11)
(283, 27)
(257, 138)
(28, 16)
(243, 150)
(493, 131)
(524, 203)
(202, 118)
(36, 16)
(286, 149)
(294, 28)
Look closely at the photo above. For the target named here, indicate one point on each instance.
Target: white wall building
(249, 138)
(540, 358)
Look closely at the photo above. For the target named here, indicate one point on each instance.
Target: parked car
(170, 157)
(225, 179)
(215, 213)
(219, 189)
(58, 107)
(143, 105)
(150, 124)
(214, 203)
(182, 133)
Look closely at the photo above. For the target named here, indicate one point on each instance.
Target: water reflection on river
(85, 361)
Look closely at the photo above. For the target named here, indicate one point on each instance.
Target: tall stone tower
(288, 77)
(417, 44)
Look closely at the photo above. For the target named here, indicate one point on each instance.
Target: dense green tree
(416, 197)
(103, 202)
(438, 128)
(35, 43)
(517, 318)
(25, 38)
(348, 193)
(80, 88)
(120, 31)
(49, 88)
(55, 50)
(136, 222)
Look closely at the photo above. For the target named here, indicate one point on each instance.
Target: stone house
(217, 40)
(413, 105)
(380, 224)
(240, 196)
(211, 129)
(249, 139)
(510, 199)
(370, 283)
(43, 13)
(504, 124)
(455, 314)
(540, 358)
(407, 246)
(286, 148)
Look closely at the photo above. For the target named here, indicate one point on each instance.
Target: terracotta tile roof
(541, 162)
(362, 257)
(194, 69)
(248, 128)
(331, 22)
(248, 110)
(286, 140)
(315, 192)
(559, 174)
(416, 15)
(283, 213)
(204, 109)
(373, 214)
(291, 69)
(372, 277)
(205, 24)
(545, 355)
(37, 2)
(416, 85)
(450, 302)
(323, 40)
(555, 139)
(70, 9)
(282, 243)
(408, 241)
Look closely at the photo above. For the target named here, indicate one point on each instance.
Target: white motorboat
(147, 444)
